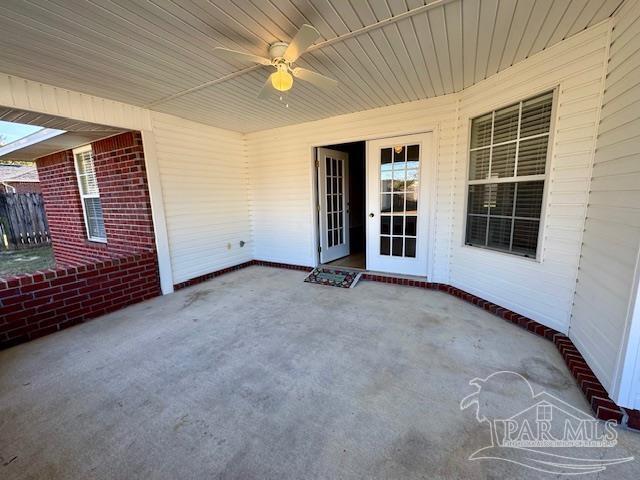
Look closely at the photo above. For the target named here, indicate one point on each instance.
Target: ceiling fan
(283, 55)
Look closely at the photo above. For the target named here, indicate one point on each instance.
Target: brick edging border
(217, 273)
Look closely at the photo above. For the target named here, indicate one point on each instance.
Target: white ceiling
(145, 52)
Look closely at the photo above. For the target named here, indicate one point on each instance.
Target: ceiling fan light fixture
(282, 57)
(282, 80)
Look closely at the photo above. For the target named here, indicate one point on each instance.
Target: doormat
(333, 277)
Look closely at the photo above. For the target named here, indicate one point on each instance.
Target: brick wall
(90, 278)
(124, 194)
(41, 303)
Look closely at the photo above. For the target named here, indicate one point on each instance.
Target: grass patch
(16, 262)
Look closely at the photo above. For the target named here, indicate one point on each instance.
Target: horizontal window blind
(507, 168)
(90, 194)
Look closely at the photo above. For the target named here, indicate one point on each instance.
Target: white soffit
(143, 51)
(58, 134)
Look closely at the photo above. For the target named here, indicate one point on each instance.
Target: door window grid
(335, 201)
(399, 167)
(508, 156)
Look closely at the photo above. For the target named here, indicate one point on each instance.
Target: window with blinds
(89, 194)
(507, 172)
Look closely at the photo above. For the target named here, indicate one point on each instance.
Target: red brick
(634, 419)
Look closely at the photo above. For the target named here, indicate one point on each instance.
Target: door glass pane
(398, 179)
(385, 156)
(385, 225)
(399, 153)
(410, 247)
(398, 225)
(385, 203)
(399, 196)
(384, 246)
(413, 156)
(410, 223)
(398, 202)
(396, 251)
(412, 202)
(334, 201)
(386, 181)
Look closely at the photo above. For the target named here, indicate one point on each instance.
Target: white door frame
(422, 265)
(626, 382)
(365, 137)
(341, 249)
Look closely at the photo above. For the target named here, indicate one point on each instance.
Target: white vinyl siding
(281, 178)
(507, 165)
(600, 322)
(89, 194)
(204, 177)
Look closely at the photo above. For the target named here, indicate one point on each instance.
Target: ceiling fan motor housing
(277, 49)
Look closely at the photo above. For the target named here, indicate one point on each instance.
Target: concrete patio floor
(256, 374)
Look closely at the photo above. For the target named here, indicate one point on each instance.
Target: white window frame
(76, 151)
(541, 177)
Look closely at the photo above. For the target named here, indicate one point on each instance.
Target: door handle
(371, 215)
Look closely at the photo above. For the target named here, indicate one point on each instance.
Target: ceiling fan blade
(314, 78)
(267, 89)
(237, 56)
(303, 40)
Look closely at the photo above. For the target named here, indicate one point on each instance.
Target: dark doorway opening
(356, 204)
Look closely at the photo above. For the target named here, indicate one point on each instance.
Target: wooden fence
(23, 223)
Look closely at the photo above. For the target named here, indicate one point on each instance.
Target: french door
(333, 189)
(397, 204)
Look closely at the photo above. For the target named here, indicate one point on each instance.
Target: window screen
(507, 167)
(89, 194)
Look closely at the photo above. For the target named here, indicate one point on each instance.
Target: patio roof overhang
(58, 134)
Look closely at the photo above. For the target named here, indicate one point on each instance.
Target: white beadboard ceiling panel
(158, 53)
